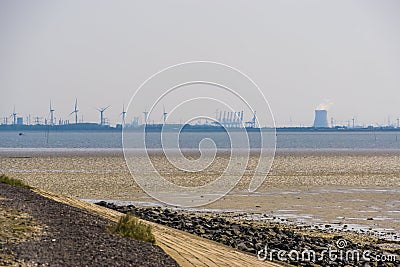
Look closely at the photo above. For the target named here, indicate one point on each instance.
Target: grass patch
(12, 181)
(130, 226)
(16, 227)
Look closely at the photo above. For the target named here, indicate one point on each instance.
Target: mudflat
(359, 189)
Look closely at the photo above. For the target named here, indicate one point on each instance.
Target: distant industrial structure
(223, 119)
(231, 119)
(321, 119)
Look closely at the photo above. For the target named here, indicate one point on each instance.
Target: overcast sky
(345, 54)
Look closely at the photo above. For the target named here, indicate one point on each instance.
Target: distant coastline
(185, 128)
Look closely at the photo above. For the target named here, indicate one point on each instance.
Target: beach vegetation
(130, 226)
(12, 181)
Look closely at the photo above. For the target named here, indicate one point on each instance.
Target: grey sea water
(285, 140)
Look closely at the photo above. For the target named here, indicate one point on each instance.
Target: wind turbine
(14, 116)
(164, 116)
(75, 111)
(101, 110)
(145, 113)
(51, 115)
(123, 114)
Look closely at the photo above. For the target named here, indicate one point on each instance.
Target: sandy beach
(347, 189)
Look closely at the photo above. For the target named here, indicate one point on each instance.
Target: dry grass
(130, 226)
(15, 227)
(12, 181)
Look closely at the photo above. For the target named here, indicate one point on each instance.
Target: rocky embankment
(272, 238)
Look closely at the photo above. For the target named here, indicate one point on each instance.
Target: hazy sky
(301, 53)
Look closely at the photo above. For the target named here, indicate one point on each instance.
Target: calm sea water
(291, 140)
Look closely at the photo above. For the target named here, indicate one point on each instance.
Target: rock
(259, 246)
(155, 213)
(235, 230)
(199, 230)
(102, 203)
(229, 233)
(242, 246)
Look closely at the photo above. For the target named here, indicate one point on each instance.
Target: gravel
(73, 237)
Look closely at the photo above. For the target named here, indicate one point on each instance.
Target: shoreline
(246, 236)
(118, 152)
(253, 236)
(341, 187)
(303, 221)
(333, 188)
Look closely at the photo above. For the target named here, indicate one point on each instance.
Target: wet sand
(347, 189)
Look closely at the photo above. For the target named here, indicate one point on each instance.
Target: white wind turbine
(51, 115)
(101, 110)
(75, 111)
(123, 114)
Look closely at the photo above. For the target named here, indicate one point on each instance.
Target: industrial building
(321, 119)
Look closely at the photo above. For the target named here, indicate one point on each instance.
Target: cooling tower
(321, 119)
